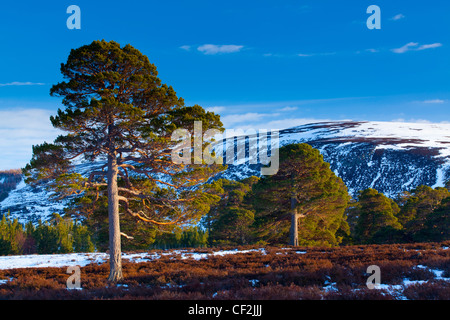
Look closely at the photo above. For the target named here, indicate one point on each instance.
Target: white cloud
(397, 17)
(290, 123)
(17, 83)
(413, 120)
(216, 49)
(278, 124)
(315, 54)
(430, 46)
(434, 101)
(187, 48)
(233, 119)
(215, 109)
(415, 46)
(406, 47)
(269, 121)
(288, 109)
(20, 129)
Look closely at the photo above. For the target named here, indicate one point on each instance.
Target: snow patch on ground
(83, 259)
(397, 290)
(51, 260)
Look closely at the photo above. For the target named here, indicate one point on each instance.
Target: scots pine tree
(305, 189)
(377, 218)
(230, 220)
(419, 206)
(120, 116)
(437, 224)
(81, 239)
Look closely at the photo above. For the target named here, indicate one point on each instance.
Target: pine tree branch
(126, 236)
(142, 216)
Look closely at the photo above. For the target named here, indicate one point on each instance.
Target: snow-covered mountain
(388, 156)
(31, 203)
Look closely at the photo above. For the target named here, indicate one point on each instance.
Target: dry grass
(270, 274)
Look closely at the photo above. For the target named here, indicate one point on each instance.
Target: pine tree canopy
(320, 198)
(377, 217)
(117, 111)
(120, 114)
(420, 205)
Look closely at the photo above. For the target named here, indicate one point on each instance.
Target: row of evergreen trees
(194, 237)
(305, 195)
(63, 235)
(58, 235)
(420, 215)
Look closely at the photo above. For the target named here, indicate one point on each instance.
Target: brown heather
(277, 274)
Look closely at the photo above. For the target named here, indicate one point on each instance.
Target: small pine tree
(437, 225)
(47, 239)
(5, 247)
(377, 221)
(11, 231)
(230, 220)
(306, 189)
(63, 228)
(418, 207)
(81, 239)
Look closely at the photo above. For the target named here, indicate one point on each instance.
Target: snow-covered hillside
(33, 203)
(388, 156)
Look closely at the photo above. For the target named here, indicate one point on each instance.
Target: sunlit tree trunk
(115, 252)
(294, 223)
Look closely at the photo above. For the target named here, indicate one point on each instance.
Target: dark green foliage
(376, 218)
(82, 239)
(55, 236)
(118, 112)
(190, 238)
(5, 247)
(261, 214)
(11, 235)
(418, 207)
(229, 221)
(234, 227)
(437, 225)
(47, 240)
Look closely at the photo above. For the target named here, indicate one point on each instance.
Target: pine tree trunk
(115, 252)
(294, 223)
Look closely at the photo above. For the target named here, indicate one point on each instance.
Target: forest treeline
(58, 235)
(304, 202)
(307, 197)
(64, 235)
(419, 215)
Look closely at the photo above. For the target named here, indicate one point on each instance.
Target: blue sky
(260, 64)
